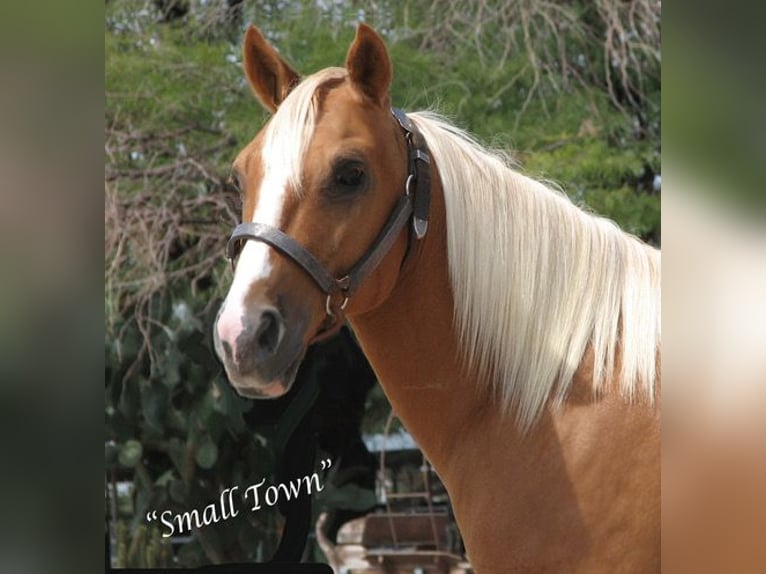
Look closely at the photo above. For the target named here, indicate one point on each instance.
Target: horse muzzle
(259, 350)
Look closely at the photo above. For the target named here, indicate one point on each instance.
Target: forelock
(290, 131)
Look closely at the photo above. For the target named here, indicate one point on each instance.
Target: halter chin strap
(415, 202)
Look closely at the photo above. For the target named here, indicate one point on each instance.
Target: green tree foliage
(571, 90)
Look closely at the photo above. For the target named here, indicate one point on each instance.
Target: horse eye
(349, 177)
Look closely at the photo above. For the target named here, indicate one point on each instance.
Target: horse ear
(369, 66)
(270, 77)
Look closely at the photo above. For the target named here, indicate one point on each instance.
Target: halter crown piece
(415, 202)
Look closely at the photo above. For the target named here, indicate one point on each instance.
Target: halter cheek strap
(419, 164)
(415, 202)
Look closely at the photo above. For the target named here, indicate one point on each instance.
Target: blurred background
(571, 90)
(56, 116)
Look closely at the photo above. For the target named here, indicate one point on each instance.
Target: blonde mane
(536, 281)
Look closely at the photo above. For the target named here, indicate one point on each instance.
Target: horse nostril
(268, 335)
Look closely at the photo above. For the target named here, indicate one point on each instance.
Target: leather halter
(414, 202)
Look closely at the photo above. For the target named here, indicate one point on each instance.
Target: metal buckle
(328, 305)
(420, 226)
(420, 155)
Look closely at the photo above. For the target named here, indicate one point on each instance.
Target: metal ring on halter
(328, 308)
(408, 185)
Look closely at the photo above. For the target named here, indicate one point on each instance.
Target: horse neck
(413, 347)
(579, 491)
(548, 494)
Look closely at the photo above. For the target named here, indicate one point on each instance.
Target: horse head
(319, 183)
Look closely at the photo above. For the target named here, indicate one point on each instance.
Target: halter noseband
(415, 202)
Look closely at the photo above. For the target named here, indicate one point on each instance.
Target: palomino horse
(516, 336)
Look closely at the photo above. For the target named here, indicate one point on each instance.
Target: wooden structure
(416, 532)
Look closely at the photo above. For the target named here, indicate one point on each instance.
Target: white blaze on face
(255, 260)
